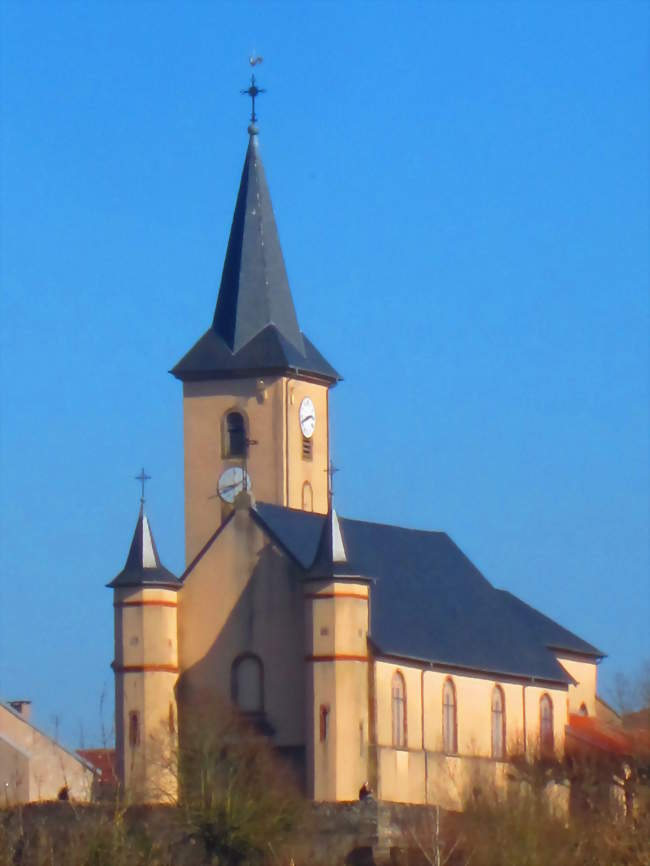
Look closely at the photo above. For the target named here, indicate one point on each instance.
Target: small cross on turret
(142, 478)
(331, 472)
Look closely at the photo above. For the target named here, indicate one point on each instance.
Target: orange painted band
(336, 595)
(339, 657)
(140, 669)
(147, 603)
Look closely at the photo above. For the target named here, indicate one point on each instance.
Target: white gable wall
(34, 767)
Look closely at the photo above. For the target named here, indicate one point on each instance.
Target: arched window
(449, 718)
(583, 711)
(307, 497)
(234, 435)
(498, 724)
(546, 739)
(398, 705)
(247, 683)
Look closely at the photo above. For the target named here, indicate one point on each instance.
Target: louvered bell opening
(307, 449)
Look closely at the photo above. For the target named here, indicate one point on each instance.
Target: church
(365, 653)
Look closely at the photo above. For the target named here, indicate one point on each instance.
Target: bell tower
(255, 389)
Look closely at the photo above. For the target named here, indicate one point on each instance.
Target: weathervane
(142, 478)
(253, 91)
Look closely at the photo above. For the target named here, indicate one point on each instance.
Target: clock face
(232, 482)
(307, 418)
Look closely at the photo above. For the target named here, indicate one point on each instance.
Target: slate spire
(254, 289)
(143, 565)
(331, 558)
(255, 328)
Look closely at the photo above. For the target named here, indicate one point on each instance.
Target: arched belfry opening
(234, 435)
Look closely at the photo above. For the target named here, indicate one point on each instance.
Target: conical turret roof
(255, 327)
(143, 566)
(331, 558)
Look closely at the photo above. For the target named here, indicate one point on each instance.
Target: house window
(247, 683)
(324, 722)
(583, 711)
(449, 719)
(546, 739)
(307, 497)
(134, 729)
(307, 448)
(172, 719)
(398, 705)
(234, 435)
(498, 724)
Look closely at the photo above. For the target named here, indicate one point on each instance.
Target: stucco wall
(315, 470)
(473, 701)
(244, 596)
(36, 767)
(584, 692)
(336, 627)
(146, 671)
(404, 775)
(452, 780)
(14, 773)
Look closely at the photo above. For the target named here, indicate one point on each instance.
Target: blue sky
(461, 191)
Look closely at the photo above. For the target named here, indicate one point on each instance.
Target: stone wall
(341, 834)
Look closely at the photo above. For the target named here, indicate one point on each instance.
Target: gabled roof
(596, 736)
(255, 327)
(429, 602)
(102, 760)
(143, 566)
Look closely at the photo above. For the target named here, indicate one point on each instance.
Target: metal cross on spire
(253, 91)
(142, 478)
(331, 472)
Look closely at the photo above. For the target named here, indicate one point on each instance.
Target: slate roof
(331, 559)
(429, 602)
(255, 327)
(143, 566)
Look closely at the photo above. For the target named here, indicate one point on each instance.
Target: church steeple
(255, 389)
(254, 289)
(255, 328)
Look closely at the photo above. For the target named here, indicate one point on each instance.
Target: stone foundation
(335, 834)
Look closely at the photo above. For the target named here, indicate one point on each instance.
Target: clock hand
(232, 486)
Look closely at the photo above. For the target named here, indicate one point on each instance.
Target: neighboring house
(33, 767)
(103, 763)
(365, 652)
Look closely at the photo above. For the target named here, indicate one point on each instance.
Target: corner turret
(337, 670)
(146, 670)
